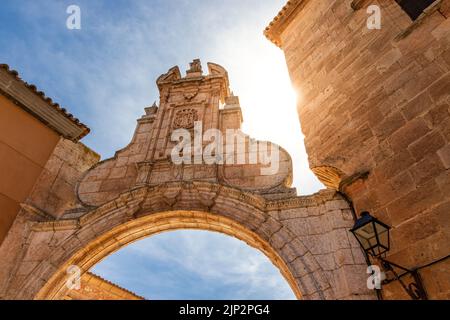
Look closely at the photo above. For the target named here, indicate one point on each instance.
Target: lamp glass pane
(365, 244)
(366, 231)
(373, 241)
(383, 235)
(377, 250)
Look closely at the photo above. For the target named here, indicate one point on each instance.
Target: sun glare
(269, 106)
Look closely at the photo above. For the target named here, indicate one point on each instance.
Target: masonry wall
(25, 146)
(378, 102)
(51, 196)
(54, 191)
(321, 228)
(305, 237)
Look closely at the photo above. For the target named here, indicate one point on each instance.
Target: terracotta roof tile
(49, 101)
(113, 284)
(271, 32)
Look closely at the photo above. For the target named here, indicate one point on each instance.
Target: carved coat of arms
(185, 119)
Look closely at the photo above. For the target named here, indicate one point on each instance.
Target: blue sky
(105, 75)
(192, 264)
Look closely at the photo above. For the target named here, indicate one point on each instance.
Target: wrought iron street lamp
(373, 236)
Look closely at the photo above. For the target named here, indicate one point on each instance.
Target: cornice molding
(131, 202)
(275, 28)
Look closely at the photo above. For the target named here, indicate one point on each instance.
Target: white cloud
(219, 261)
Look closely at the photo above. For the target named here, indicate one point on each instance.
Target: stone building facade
(140, 192)
(374, 105)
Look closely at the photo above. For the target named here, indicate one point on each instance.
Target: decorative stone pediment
(185, 101)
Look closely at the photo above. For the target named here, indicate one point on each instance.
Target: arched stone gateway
(131, 231)
(81, 211)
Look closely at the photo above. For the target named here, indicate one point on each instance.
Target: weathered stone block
(444, 155)
(428, 144)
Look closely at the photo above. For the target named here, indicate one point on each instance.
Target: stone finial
(151, 110)
(232, 101)
(195, 68)
(196, 65)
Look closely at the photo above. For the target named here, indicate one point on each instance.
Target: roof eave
(35, 102)
(276, 27)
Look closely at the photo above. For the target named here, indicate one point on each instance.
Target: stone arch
(149, 225)
(285, 230)
(142, 212)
